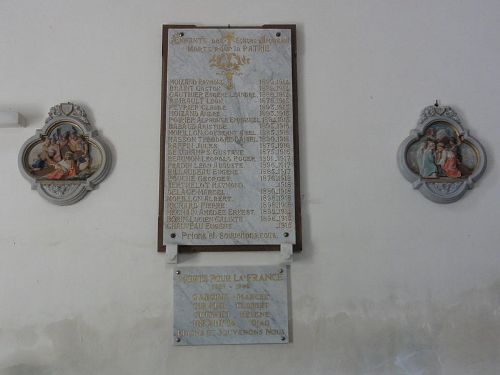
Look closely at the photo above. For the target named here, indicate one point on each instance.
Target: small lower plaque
(231, 305)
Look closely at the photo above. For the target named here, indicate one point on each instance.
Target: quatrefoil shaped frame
(440, 158)
(66, 158)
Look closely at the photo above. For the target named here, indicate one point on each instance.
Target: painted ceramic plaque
(65, 159)
(229, 172)
(440, 157)
(231, 305)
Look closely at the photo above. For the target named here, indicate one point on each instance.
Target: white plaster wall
(388, 282)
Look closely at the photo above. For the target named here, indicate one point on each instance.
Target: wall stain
(72, 347)
(394, 337)
(27, 336)
(364, 337)
(25, 369)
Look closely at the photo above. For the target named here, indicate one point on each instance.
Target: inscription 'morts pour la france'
(231, 305)
(229, 137)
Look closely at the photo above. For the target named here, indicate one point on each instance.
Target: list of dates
(229, 150)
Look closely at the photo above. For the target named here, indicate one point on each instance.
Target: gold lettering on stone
(229, 140)
(235, 303)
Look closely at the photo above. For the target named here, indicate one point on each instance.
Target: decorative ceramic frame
(66, 190)
(445, 185)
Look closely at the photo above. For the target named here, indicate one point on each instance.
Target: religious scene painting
(65, 153)
(66, 158)
(440, 157)
(442, 153)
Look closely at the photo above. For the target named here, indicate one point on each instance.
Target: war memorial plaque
(231, 305)
(229, 155)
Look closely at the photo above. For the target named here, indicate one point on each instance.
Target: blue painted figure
(426, 161)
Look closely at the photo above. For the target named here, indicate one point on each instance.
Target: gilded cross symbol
(229, 37)
(229, 63)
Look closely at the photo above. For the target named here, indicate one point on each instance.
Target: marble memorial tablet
(229, 173)
(231, 305)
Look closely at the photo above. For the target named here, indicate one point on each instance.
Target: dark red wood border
(298, 222)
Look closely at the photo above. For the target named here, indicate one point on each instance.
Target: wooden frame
(194, 248)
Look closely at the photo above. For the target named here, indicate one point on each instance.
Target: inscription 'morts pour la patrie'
(229, 157)
(231, 305)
